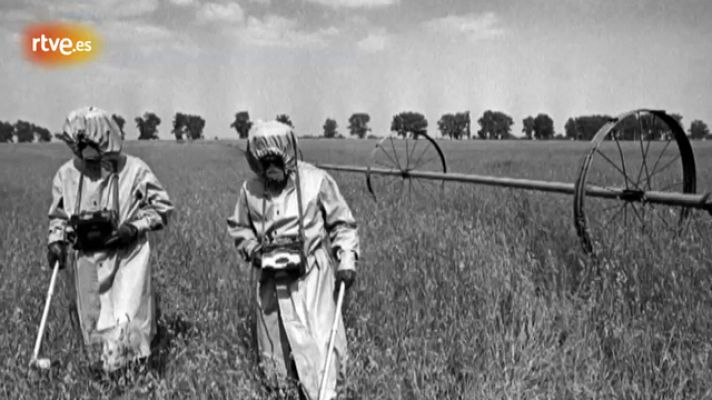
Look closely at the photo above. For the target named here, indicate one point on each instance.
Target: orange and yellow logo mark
(59, 44)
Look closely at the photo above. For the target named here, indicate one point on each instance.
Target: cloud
(101, 9)
(135, 32)
(277, 31)
(183, 3)
(374, 42)
(17, 16)
(12, 38)
(146, 38)
(213, 12)
(473, 26)
(355, 3)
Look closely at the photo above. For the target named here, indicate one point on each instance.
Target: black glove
(348, 276)
(57, 252)
(256, 257)
(124, 236)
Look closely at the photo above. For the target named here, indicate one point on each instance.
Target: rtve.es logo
(61, 43)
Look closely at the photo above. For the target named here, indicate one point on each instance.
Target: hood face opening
(268, 140)
(92, 127)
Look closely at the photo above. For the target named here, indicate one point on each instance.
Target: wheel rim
(643, 150)
(416, 153)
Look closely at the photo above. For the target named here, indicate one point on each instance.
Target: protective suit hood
(95, 126)
(271, 138)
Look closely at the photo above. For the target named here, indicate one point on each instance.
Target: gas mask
(89, 151)
(273, 171)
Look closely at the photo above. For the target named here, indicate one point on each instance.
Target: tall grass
(483, 295)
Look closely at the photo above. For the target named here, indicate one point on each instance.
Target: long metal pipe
(703, 201)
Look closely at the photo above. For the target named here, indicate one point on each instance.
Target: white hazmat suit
(114, 294)
(294, 318)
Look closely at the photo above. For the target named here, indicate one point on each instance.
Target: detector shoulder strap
(79, 189)
(115, 188)
(299, 194)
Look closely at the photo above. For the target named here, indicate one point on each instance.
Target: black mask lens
(272, 160)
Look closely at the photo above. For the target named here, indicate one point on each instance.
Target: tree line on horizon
(493, 125)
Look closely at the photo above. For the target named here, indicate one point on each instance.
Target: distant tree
(543, 127)
(584, 127)
(7, 130)
(447, 125)
(571, 131)
(24, 132)
(409, 122)
(677, 117)
(180, 125)
(284, 118)
(242, 124)
(455, 126)
(190, 126)
(358, 124)
(662, 130)
(120, 121)
(196, 124)
(462, 119)
(644, 125)
(528, 127)
(666, 131)
(330, 128)
(42, 134)
(495, 125)
(698, 129)
(148, 126)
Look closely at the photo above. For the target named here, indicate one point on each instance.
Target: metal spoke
(410, 189)
(670, 186)
(617, 213)
(660, 156)
(642, 224)
(412, 151)
(394, 163)
(429, 192)
(655, 212)
(395, 153)
(620, 152)
(381, 164)
(644, 154)
(402, 186)
(667, 165)
(426, 162)
(616, 167)
(632, 206)
(422, 153)
(625, 224)
(407, 160)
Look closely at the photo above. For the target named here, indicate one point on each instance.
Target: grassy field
(484, 294)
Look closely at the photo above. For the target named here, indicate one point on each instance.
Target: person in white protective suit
(294, 209)
(103, 205)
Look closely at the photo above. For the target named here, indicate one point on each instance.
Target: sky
(318, 59)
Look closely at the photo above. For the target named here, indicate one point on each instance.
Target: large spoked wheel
(640, 151)
(388, 175)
